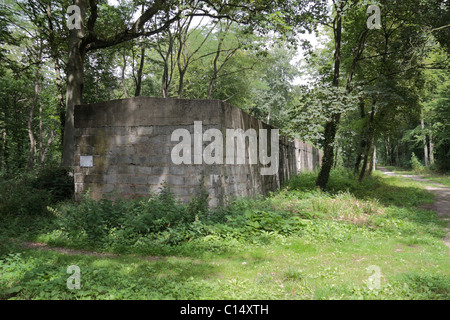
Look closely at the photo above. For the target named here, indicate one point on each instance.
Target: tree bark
(75, 82)
(386, 151)
(431, 149)
(362, 144)
(124, 87)
(57, 67)
(424, 139)
(368, 144)
(32, 108)
(374, 167)
(166, 79)
(331, 125)
(137, 92)
(44, 153)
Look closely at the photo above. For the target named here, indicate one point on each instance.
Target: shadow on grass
(31, 274)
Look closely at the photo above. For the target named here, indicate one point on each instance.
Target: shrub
(18, 197)
(26, 194)
(416, 165)
(106, 221)
(57, 181)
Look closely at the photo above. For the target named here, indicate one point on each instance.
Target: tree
(160, 15)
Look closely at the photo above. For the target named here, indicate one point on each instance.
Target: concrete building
(124, 148)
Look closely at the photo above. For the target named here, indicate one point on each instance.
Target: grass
(339, 236)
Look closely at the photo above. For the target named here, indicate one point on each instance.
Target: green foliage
(416, 165)
(29, 195)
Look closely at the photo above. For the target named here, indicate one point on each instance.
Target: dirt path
(441, 203)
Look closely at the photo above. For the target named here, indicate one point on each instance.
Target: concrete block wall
(130, 143)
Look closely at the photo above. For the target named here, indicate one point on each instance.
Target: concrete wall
(130, 144)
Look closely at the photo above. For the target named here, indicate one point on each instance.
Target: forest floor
(441, 204)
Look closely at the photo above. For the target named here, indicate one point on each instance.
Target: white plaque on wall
(86, 161)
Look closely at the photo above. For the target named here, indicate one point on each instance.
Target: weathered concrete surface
(130, 142)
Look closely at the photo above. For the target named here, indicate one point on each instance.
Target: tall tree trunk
(368, 144)
(44, 153)
(331, 125)
(33, 107)
(386, 151)
(370, 162)
(3, 150)
(431, 149)
(363, 141)
(124, 87)
(397, 159)
(75, 82)
(137, 92)
(57, 67)
(374, 163)
(336, 155)
(424, 139)
(216, 59)
(41, 135)
(61, 105)
(166, 79)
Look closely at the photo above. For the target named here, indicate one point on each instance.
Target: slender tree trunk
(57, 67)
(41, 135)
(370, 163)
(363, 141)
(137, 92)
(397, 159)
(45, 151)
(374, 167)
(30, 123)
(167, 77)
(124, 87)
(32, 108)
(368, 144)
(75, 82)
(424, 139)
(386, 151)
(336, 155)
(365, 162)
(61, 105)
(431, 149)
(215, 72)
(3, 150)
(181, 85)
(357, 163)
(331, 125)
